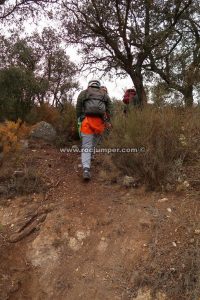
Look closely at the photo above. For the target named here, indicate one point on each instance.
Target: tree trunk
(138, 83)
(188, 96)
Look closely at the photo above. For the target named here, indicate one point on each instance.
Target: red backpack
(128, 96)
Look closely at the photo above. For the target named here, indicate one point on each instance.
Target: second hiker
(130, 100)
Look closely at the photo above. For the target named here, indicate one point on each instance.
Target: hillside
(68, 239)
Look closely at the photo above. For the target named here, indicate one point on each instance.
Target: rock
(43, 130)
(183, 186)
(129, 181)
(17, 236)
(43, 253)
(186, 184)
(197, 231)
(163, 200)
(169, 210)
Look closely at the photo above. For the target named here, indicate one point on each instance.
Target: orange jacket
(92, 124)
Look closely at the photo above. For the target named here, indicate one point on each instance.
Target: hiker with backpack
(130, 99)
(93, 111)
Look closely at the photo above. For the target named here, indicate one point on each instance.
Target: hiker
(93, 111)
(130, 99)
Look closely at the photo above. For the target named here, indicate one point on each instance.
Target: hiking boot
(86, 174)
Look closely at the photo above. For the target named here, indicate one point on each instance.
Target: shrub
(18, 88)
(10, 135)
(163, 134)
(27, 180)
(67, 123)
(191, 132)
(44, 112)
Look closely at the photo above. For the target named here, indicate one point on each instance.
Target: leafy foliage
(122, 35)
(34, 70)
(177, 60)
(18, 88)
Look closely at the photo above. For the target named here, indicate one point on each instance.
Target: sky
(116, 86)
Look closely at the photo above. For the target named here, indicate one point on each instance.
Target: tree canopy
(122, 35)
(34, 70)
(144, 39)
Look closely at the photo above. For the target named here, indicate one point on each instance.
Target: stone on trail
(163, 200)
(43, 130)
(129, 181)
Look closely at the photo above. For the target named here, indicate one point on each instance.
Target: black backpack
(95, 102)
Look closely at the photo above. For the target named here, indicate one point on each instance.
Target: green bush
(18, 88)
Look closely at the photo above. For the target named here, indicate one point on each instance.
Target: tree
(178, 60)
(121, 34)
(18, 89)
(54, 67)
(18, 84)
(15, 51)
(44, 58)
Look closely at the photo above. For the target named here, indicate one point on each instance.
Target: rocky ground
(70, 240)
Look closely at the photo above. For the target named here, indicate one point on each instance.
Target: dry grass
(173, 270)
(18, 179)
(109, 173)
(170, 137)
(10, 135)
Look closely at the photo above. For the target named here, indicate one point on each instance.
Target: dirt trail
(82, 240)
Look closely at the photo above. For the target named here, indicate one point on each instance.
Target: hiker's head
(94, 83)
(104, 88)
